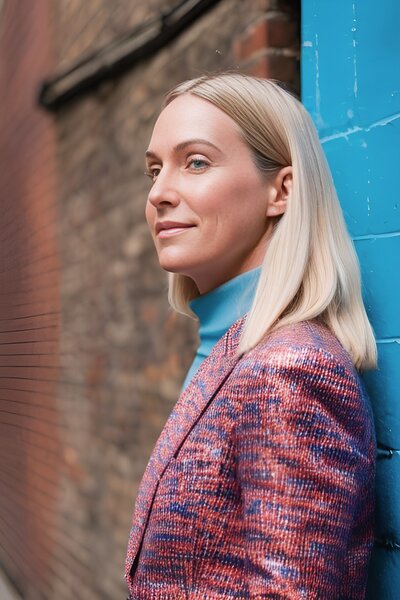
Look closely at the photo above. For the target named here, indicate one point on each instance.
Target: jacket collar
(191, 404)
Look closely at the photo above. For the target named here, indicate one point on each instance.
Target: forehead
(187, 117)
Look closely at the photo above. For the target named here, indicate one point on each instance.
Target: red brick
(269, 65)
(269, 32)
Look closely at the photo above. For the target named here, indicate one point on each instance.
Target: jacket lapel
(211, 375)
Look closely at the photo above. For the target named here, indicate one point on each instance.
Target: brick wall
(29, 304)
(123, 354)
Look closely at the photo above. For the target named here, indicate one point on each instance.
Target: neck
(218, 309)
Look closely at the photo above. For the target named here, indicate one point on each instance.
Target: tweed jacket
(261, 483)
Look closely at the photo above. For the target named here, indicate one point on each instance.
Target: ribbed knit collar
(218, 310)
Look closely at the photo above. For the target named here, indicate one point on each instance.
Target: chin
(175, 264)
(173, 268)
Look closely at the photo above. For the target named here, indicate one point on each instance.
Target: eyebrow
(183, 145)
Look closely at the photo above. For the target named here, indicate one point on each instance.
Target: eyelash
(150, 173)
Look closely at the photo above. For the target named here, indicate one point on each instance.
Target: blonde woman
(261, 483)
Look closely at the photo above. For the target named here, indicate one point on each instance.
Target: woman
(261, 483)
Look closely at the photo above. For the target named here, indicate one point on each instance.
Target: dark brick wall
(122, 353)
(30, 448)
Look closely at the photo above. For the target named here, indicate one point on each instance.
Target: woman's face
(208, 208)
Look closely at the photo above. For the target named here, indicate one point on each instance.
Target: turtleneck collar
(218, 310)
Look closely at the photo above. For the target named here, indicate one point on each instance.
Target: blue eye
(198, 163)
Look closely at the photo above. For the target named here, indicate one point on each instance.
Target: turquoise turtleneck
(218, 310)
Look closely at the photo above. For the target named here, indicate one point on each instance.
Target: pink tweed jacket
(261, 483)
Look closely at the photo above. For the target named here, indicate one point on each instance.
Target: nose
(163, 193)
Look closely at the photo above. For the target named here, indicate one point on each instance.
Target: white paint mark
(317, 88)
(353, 130)
(307, 44)
(369, 172)
(342, 134)
(385, 121)
(375, 236)
(354, 30)
(368, 184)
(350, 113)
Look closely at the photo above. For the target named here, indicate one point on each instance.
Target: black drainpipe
(121, 54)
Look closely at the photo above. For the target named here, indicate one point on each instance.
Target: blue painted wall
(351, 86)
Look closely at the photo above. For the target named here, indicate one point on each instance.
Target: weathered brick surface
(29, 305)
(119, 354)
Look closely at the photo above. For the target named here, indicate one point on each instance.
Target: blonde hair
(310, 268)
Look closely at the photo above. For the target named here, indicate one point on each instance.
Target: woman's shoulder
(307, 348)
(303, 367)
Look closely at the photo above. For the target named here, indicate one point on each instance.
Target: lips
(167, 228)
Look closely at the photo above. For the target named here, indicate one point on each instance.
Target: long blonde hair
(310, 268)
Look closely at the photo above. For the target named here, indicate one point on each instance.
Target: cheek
(217, 199)
(242, 212)
(235, 201)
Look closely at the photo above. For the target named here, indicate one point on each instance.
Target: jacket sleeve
(304, 463)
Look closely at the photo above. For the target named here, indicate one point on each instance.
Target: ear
(280, 188)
